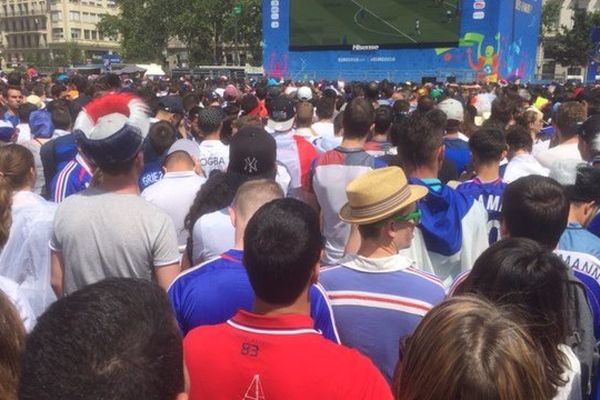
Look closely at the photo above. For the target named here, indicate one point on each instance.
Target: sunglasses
(413, 216)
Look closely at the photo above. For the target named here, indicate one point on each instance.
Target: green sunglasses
(413, 216)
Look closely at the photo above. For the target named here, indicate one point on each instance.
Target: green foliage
(550, 15)
(573, 47)
(70, 54)
(145, 27)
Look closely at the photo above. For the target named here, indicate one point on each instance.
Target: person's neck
(179, 167)
(373, 249)
(300, 306)
(121, 184)
(212, 136)
(352, 143)
(379, 137)
(326, 120)
(452, 135)
(488, 172)
(570, 140)
(238, 243)
(423, 172)
(575, 215)
(521, 152)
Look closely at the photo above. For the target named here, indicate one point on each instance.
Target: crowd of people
(272, 239)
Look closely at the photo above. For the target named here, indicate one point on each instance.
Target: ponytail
(5, 208)
(16, 162)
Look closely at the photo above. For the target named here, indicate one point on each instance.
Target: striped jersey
(212, 292)
(580, 250)
(330, 173)
(376, 302)
(490, 195)
(74, 177)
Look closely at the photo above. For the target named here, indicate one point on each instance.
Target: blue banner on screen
(401, 39)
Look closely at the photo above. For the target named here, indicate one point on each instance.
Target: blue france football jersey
(490, 195)
(213, 292)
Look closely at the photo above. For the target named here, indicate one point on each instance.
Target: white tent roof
(152, 69)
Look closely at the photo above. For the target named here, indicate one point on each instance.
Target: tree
(203, 26)
(69, 54)
(550, 15)
(573, 47)
(142, 26)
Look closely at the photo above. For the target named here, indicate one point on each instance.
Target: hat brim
(282, 126)
(417, 192)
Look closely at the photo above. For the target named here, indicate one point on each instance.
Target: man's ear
(504, 233)
(316, 270)
(232, 216)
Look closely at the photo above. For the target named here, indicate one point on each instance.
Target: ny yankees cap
(252, 153)
(281, 114)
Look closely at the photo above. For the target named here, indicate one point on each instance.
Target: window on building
(56, 16)
(94, 35)
(86, 34)
(75, 16)
(57, 34)
(75, 33)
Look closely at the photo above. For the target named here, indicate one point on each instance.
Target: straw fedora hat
(379, 194)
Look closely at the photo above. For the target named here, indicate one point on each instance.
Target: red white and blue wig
(111, 129)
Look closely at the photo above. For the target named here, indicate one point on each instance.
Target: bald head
(252, 195)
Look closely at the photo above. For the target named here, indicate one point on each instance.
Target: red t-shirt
(276, 357)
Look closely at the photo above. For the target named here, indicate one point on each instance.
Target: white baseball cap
(304, 93)
(453, 109)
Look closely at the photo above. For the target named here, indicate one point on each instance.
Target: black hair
(325, 107)
(418, 139)
(372, 91)
(523, 273)
(118, 168)
(61, 118)
(503, 110)
(210, 119)
(537, 208)
(57, 89)
(425, 104)
(384, 116)
(112, 340)
(487, 145)
(190, 100)
(282, 245)
(25, 111)
(161, 136)
(80, 83)
(359, 115)
(518, 138)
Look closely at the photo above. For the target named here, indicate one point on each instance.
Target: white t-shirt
(174, 194)
(567, 151)
(213, 234)
(324, 129)
(523, 165)
(214, 155)
(24, 133)
(572, 389)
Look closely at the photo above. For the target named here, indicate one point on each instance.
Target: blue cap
(7, 131)
(40, 123)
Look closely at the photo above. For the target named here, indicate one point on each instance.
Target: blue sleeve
(322, 314)
(173, 294)
(594, 225)
(379, 163)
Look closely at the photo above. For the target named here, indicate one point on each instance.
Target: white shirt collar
(385, 264)
(179, 174)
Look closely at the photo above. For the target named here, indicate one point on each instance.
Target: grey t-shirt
(104, 234)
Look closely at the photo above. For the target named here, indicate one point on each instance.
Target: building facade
(40, 30)
(548, 68)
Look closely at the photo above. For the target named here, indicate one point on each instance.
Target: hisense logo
(358, 47)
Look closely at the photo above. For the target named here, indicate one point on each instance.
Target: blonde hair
(12, 344)
(469, 349)
(16, 163)
(254, 194)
